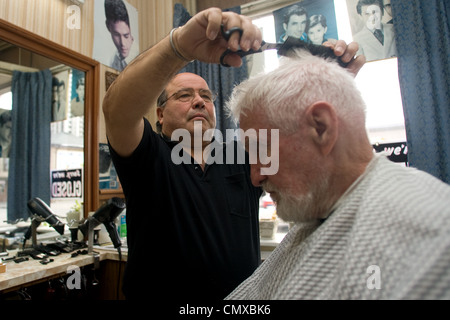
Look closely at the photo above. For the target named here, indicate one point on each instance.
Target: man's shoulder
(415, 192)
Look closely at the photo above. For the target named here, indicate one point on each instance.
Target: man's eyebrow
(204, 89)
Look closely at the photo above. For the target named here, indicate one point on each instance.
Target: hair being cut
(301, 80)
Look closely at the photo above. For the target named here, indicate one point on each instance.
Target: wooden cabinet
(110, 280)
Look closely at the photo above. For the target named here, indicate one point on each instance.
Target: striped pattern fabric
(389, 238)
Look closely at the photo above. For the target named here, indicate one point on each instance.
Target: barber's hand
(347, 54)
(201, 39)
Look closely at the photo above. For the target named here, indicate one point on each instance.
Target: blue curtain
(29, 163)
(423, 46)
(220, 79)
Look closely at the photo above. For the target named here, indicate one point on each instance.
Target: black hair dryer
(41, 212)
(106, 214)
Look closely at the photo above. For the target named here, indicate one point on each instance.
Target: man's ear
(322, 119)
(160, 114)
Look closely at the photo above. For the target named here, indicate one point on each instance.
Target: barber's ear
(322, 119)
(160, 114)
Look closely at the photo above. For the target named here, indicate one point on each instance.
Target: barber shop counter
(99, 279)
(67, 275)
(82, 275)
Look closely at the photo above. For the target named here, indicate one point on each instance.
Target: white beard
(307, 207)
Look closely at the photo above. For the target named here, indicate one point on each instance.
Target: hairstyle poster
(77, 93)
(313, 21)
(372, 28)
(116, 33)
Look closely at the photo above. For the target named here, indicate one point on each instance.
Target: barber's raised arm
(136, 89)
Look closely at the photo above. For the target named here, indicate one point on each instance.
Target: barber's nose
(198, 102)
(256, 176)
(199, 105)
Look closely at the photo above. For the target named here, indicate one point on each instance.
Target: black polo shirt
(193, 234)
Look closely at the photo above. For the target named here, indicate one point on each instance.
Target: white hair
(301, 80)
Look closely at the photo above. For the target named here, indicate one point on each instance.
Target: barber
(203, 216)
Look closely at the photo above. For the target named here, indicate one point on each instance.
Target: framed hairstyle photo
(372, 28)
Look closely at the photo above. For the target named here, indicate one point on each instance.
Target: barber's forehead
(188, 80)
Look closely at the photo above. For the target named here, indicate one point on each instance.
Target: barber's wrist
(174, 46)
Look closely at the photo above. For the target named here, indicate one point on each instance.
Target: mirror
(73, 146)
(66, 145)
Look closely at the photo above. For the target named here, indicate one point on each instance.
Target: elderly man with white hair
(365, 227)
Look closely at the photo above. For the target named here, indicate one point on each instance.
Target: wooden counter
(24, 274)
(110, 272)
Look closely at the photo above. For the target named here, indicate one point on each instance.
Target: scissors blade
(270, 46)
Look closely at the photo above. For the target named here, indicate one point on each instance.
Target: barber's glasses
(188, 95)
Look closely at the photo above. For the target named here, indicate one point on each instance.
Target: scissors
(283, 48)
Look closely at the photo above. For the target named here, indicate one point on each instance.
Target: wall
(204, 4)
(48, 18)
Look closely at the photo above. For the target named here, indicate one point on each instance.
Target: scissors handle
(226, 34)
(240, 53)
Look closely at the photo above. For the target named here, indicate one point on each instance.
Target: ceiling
(15, 58)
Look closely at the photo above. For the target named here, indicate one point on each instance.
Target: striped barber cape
(388, 238)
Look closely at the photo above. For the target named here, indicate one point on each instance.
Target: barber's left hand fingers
(356, 64)
(347, 54)
(341, 49)
(349, 51)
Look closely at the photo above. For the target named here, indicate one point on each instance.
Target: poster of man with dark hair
(376, 38)
(313, 21)
(116, 33)
(77, 96)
